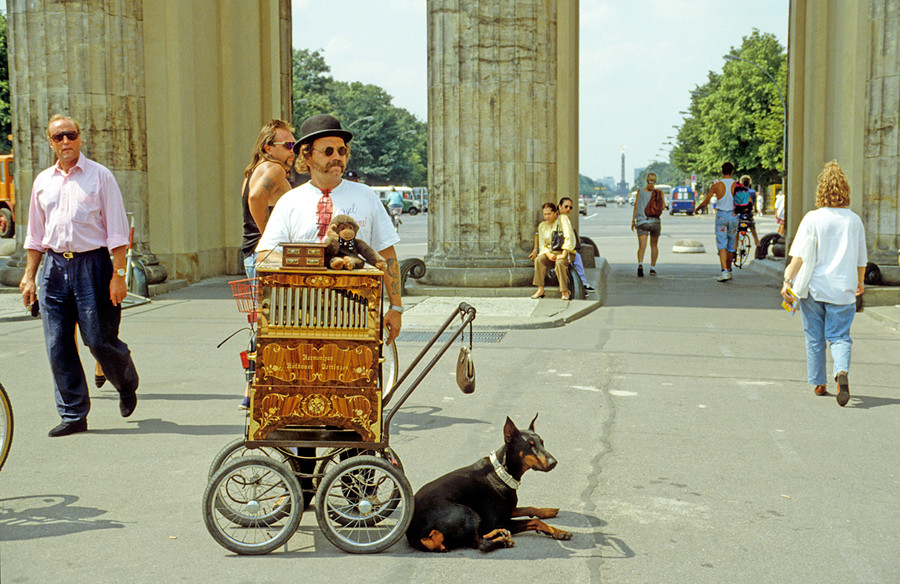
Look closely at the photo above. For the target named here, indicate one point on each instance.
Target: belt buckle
(68, 255)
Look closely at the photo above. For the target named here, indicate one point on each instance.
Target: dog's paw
(563, 535)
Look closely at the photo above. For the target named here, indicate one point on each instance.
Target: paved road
(691, 449)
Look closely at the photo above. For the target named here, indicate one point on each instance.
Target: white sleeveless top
(726, 201)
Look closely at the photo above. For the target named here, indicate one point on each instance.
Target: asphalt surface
(691, 448)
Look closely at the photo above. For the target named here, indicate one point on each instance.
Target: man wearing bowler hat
(303, 214)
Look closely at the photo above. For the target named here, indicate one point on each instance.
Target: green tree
(5, 111)
(389, 144)
(737, 115)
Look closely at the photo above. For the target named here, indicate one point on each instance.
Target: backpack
(655, 205)
(741, 199)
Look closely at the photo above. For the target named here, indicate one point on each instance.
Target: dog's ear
(531, 426)
(510, 432)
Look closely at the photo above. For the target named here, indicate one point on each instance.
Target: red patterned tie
(324, 210)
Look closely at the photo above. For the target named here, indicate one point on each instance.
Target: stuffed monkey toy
(343, 251)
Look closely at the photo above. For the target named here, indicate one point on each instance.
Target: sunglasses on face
(72, 136)
(566, 206)
(287, 145)
(328, 151)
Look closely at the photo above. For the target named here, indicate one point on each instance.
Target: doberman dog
(474, 506)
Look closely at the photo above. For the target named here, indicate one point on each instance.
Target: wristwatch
(121, 272)
(397, 308)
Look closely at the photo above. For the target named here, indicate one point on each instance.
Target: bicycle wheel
(252, 505)
(364, 505)
(743, 249)
(6, 425)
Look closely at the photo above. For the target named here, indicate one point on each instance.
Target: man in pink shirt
(77, 217)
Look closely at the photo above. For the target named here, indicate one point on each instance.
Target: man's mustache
(334, 163)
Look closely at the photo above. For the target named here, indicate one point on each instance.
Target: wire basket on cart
(244, 292)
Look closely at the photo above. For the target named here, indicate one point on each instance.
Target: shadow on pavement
(39, 516)
(160, 426)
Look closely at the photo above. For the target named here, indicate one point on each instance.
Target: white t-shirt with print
(294, 217)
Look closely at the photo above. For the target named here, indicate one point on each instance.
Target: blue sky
(639, 60)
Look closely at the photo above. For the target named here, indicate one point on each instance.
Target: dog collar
(502, 474)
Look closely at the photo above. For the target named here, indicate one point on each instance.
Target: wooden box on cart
(317, 356)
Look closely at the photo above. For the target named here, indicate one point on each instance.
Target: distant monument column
(500, 94)
(84, 60)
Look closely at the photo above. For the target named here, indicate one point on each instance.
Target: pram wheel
(364, 505)
(252, 505)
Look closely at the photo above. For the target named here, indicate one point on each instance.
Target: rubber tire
(743, 250)
(211, 505)
(227, 454)
(576, 287)
(413, 211)
(7, 414)
(402, 488)
(7, 225)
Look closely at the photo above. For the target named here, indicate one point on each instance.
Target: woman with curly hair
(828, 261)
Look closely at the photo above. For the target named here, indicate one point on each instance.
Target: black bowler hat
(319, 126)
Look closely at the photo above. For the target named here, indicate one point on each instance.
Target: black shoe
(99, 380)
(66, 428)
(640, 271)
(127, 403)
(588, 288)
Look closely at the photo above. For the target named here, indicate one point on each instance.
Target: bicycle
(6, 425)
(395, 217)
(743, 248)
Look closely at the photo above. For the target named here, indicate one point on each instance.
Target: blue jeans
(76, 291)
(826, 322)
(726, 228)
(250, 265)
(579, 267)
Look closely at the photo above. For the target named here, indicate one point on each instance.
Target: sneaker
(640, 271)
(245, 403)
(588, 288)
(652, 271)
(724, 276)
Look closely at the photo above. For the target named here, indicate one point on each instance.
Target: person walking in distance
(77, 217)
(645, 218)
(726, 219)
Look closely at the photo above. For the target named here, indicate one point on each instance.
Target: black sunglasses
(329, 150)
(72, 136)
(287, 145)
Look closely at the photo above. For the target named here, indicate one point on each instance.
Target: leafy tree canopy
(389, 144)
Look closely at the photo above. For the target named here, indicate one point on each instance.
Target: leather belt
(74, 254)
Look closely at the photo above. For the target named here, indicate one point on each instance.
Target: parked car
(582, 205)
(682, 200)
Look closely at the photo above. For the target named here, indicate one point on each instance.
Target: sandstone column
(84, 60)
(493, 107)
(881, 202)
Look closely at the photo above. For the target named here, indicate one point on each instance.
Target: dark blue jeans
(76, 291)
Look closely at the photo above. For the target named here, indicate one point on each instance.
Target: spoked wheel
(252, 505)
(336, 455)
(6, 425)
(743, 250)
(364, 505)
(236, 449)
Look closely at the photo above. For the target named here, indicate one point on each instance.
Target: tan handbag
(465, 368)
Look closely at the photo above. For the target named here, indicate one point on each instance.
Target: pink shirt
(79, 211)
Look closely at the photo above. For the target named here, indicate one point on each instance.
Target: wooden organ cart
(319, 383)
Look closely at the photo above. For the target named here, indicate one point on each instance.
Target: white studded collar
(502, 473)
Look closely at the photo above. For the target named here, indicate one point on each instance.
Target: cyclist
(395, 206)
(744, 203)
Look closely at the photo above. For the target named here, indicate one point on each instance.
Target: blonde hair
(833, 189)
(56, 118)
(266, 138)
(649, 174)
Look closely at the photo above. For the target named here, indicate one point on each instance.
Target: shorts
(395, 209)
(651, 227)
(726, 228)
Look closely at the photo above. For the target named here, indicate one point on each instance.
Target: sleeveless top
(251, 231)
(726, 201)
